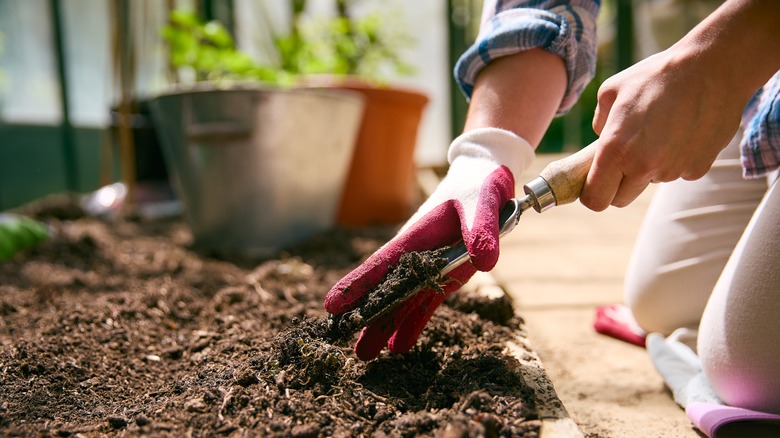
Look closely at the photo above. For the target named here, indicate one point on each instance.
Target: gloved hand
(465, 205)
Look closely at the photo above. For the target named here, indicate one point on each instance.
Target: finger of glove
(409, 331)
(417, 317)
(439, 227)
(479, 218)
(375, 337)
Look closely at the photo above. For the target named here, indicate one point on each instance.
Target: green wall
(33, 164)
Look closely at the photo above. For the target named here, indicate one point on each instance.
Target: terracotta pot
(380, 187)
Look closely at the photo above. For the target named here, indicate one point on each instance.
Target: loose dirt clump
(413, 272)
(120, 328)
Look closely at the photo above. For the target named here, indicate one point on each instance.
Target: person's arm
(564, 28)
(669, 115)
(520, 93)
(529, 64)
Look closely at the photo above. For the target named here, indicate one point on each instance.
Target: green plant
(368, 47)
(18, 233)
(209, 53)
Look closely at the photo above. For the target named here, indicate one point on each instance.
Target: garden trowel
(559, 183)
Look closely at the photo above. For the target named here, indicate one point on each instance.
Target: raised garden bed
(120, 328)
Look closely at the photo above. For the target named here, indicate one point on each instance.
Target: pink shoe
(615, 320)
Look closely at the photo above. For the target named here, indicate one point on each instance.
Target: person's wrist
(738, 41)
(503, 147)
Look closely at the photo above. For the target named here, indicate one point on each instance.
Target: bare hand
(669, 116)
(663, 118)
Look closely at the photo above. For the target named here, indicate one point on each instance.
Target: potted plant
(355, 53)
(258, 165)
(329, 60)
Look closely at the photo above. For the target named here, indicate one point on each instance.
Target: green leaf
(367, 46)
(18, 233)
(185, 18)
(217, 35)
(7, 247)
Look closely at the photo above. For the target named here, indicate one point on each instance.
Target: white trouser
(708, 256)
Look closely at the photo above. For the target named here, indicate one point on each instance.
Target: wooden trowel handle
(561, 181)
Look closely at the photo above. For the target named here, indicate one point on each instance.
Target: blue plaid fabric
(566, 28)
(761, 125)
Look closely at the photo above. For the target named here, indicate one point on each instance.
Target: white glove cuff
(503, 147)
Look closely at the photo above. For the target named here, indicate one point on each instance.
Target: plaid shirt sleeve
(761, 125)
(566, 28)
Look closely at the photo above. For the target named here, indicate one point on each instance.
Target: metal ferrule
(540, 192)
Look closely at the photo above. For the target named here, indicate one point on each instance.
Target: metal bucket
(257, 169)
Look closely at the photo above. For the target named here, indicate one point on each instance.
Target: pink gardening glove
(465, 206)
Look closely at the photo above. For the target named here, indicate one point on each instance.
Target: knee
(645, 316)
(742, 376)
(666, 302)
(661, 312)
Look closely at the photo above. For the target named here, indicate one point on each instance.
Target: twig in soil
(225, 401)
(375, 395)
(264, 294)
(288, 296)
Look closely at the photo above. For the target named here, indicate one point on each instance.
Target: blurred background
(76, 74)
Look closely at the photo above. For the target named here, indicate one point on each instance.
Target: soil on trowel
(414, 271)
(119, 327)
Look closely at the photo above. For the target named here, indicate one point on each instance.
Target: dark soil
(120, 328)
